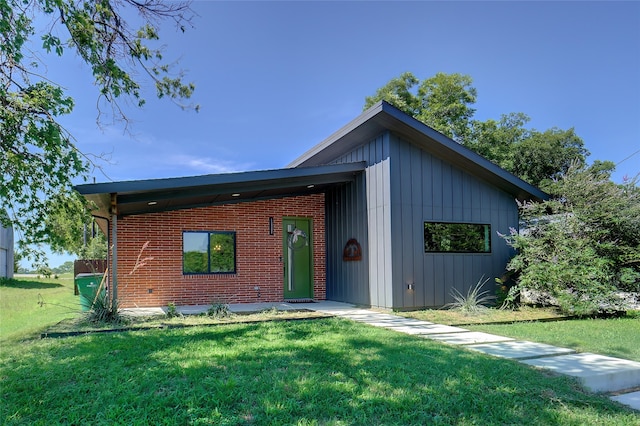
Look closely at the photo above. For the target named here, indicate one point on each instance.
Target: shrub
(629, 279)
(583, 246)
(507, 293)
(219, 310)
(172, 311)
(44, 271)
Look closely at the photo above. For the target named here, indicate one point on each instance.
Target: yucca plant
(104, 310)
(475, 300)
(172, 311)
(219, 310)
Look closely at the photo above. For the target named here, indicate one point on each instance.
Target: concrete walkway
(596, 372)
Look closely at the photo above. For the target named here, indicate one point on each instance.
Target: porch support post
(114, 252)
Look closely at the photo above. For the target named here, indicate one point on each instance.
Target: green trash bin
(88, 285)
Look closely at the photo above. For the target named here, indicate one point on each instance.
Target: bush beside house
(582, 247)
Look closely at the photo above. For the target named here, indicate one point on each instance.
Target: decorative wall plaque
(352, 251)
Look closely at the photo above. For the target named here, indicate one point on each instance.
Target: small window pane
(441, 237)
(195, 252)
(222, 249)
(208, 252)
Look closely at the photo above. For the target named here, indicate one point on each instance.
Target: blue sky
(273, 79)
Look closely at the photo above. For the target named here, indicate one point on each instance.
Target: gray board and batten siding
(425, 188)
(413, 175)
(366, 282)
(403, 187)
(361, 210)
(346, 218)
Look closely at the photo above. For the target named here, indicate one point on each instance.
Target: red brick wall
(258, 255)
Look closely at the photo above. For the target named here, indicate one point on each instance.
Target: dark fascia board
(240, 178)
(383, 117)
(132, 196)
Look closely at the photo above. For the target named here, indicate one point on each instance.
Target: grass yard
(22, 314)
(456, 317)
(323, 371)
(618, 337)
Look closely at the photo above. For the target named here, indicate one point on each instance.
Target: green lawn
(324, 371)
(618, 337)
(459, 318)
(305, 372)
(30, 304)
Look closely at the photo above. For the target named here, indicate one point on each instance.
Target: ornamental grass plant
(475, 301)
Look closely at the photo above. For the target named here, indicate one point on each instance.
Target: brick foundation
(160, 280)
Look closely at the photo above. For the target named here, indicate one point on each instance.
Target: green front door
(298, 267)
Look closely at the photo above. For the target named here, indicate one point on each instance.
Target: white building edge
(6, 252)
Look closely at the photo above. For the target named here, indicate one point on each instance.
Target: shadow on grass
(28, 284)
(326, 371)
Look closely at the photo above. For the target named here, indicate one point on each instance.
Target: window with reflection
(445, 237)
(208, 252)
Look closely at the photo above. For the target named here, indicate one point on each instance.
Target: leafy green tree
(545, 156)
(400, 93)
(17, 256)
(495, 140)
(95, 247)
(38, 156)
(583, 246)
(444, 102)
(66, 267)
(71, 228)
(602, 169)
(536, 157)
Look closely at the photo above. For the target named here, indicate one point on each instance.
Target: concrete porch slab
(597, 372)
(257, 307)
(468, 338)
(142, 312)
(328, 307)
(520, 349)
(240, 308)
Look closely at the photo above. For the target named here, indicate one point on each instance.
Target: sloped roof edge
(145, 185)
(156, 195)
(385, 117)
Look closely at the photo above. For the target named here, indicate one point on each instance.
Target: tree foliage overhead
(38, 157)
(444, 102)
(71, 228)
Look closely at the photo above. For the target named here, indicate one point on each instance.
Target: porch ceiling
(156, 195)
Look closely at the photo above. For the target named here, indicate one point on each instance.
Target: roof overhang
(383, 117)
(157, 195)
